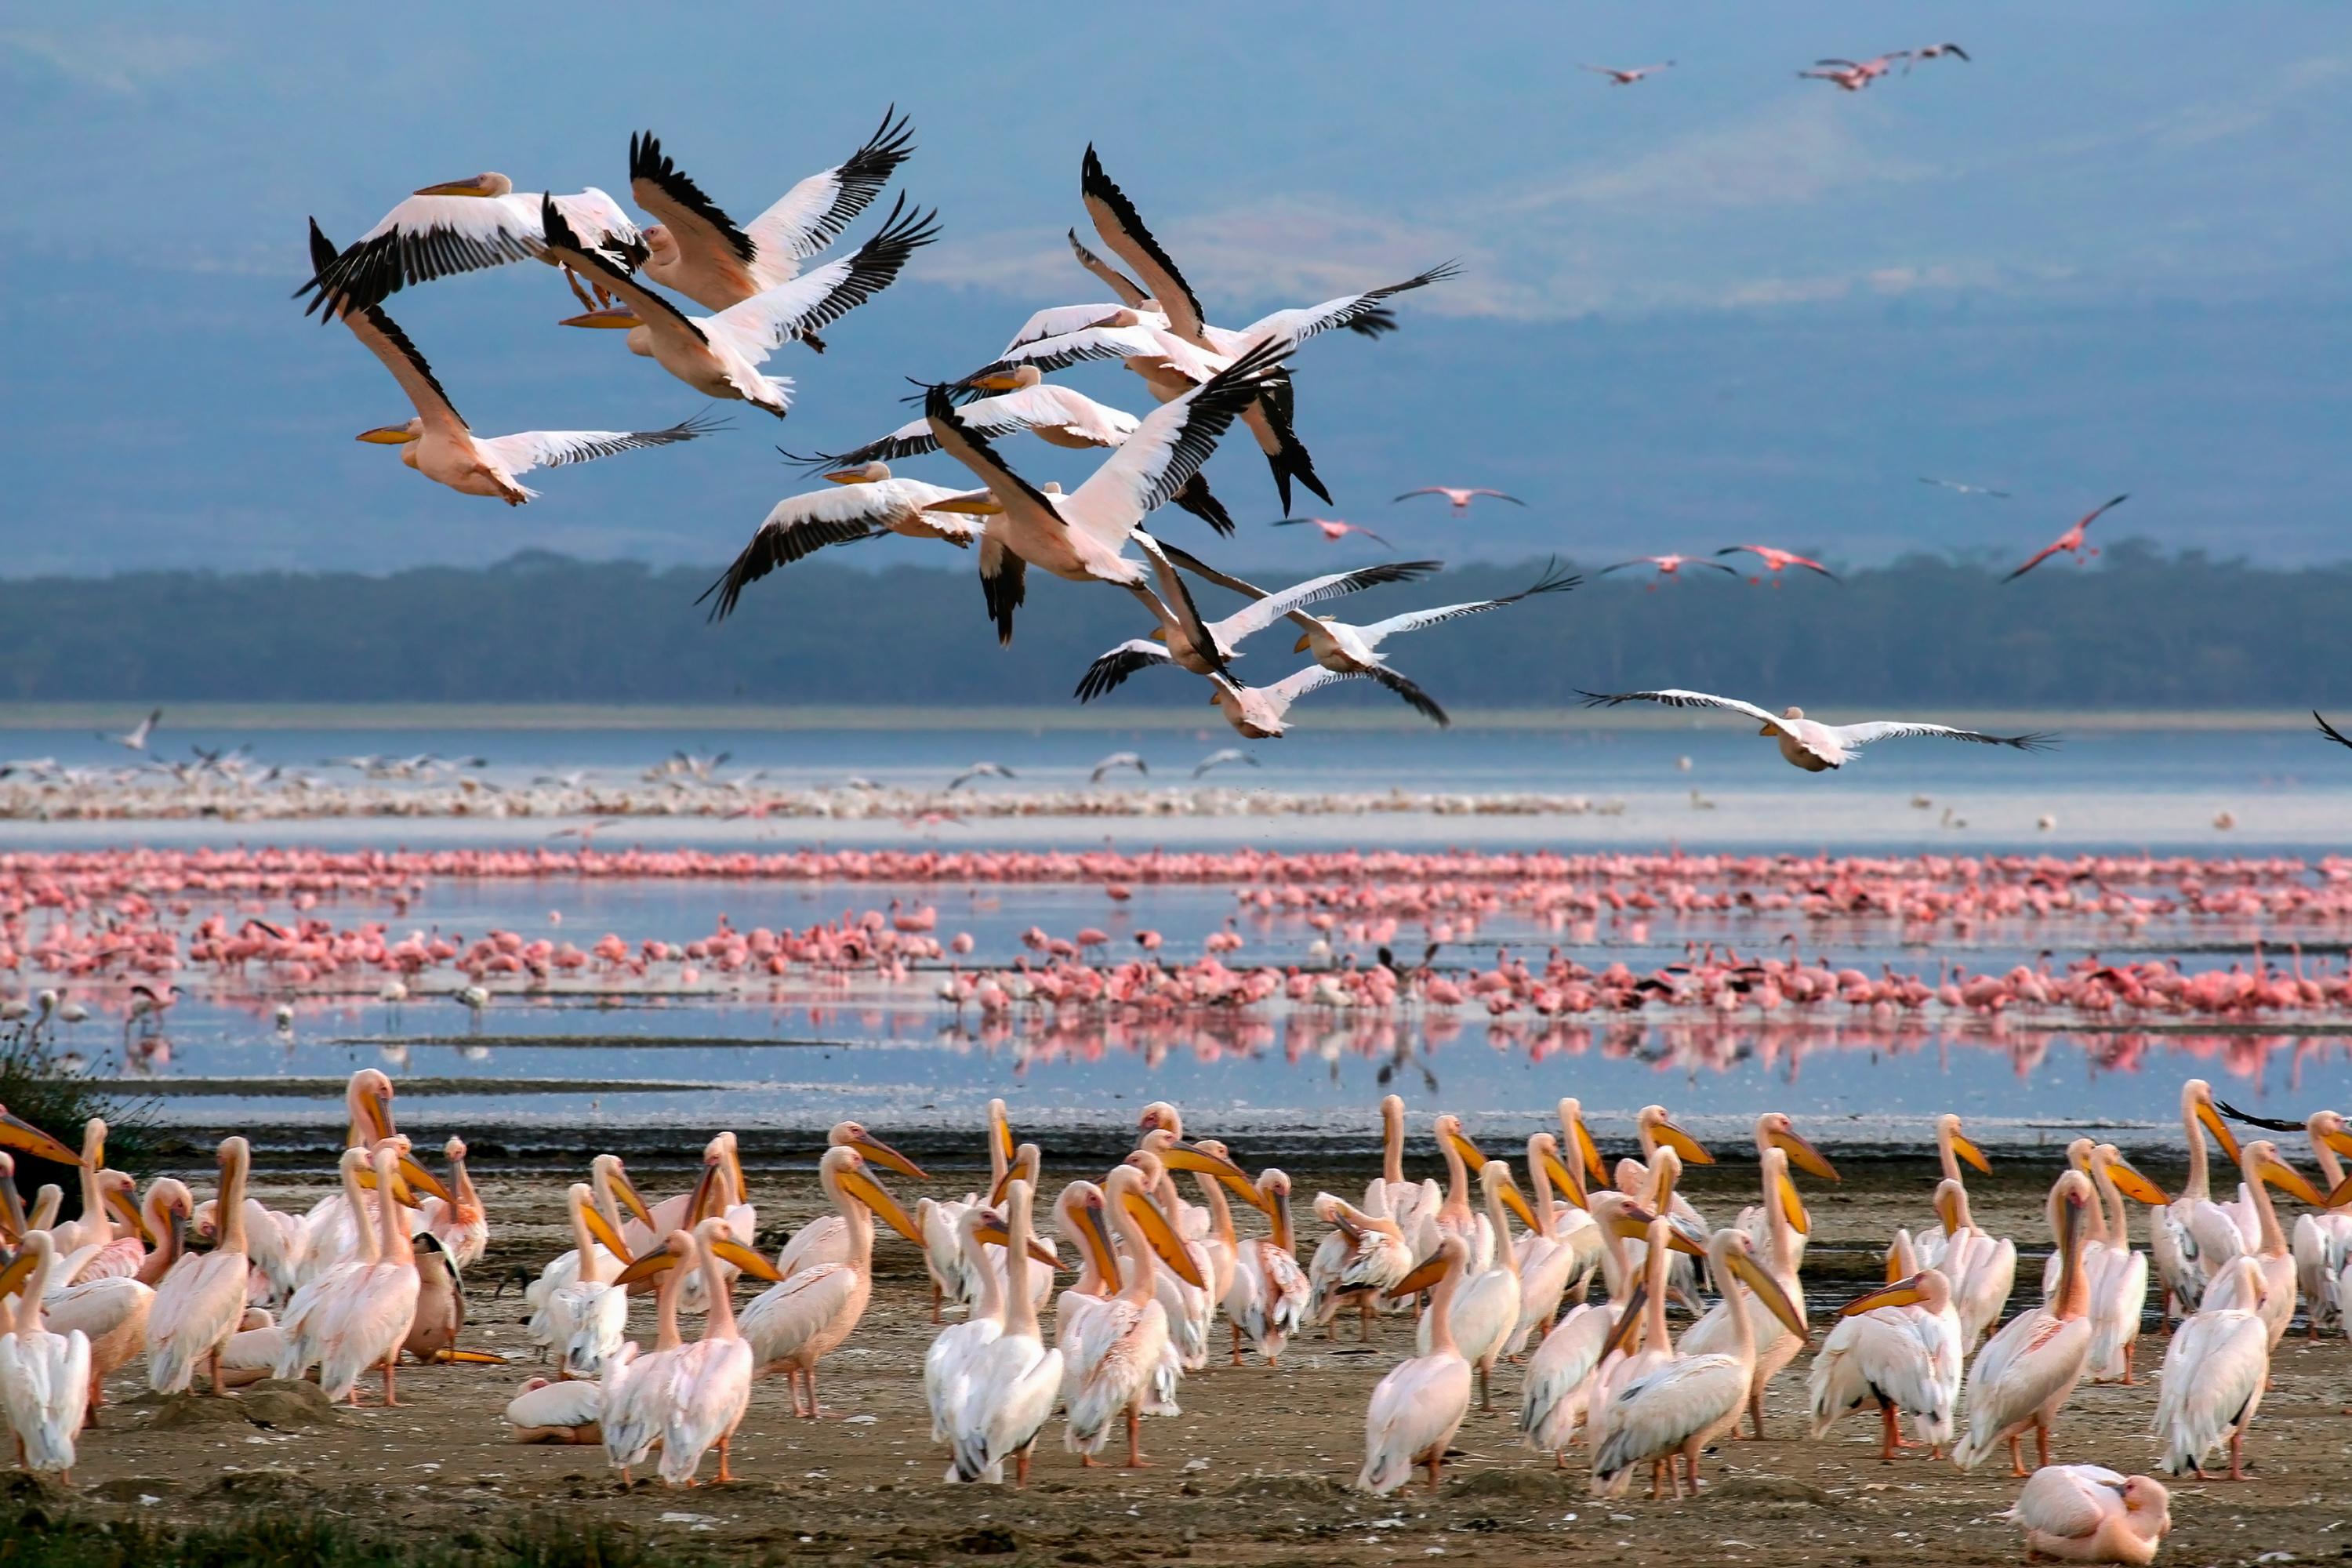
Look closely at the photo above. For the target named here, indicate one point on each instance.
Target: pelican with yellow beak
(1487, 1307)
(609, 1184)
(1455, 1215)
(797, 1322)
(462, 225)
(200, 1303)
(1898, 1347)
(1363, 1261)
(869, 502)
(1680, 1408)
(1564, 1371)
(1562, 1250)
(723, 1190)
(2193, 1235)
(1952, 1146)
(938, 1219)
(826, 1239)
(2028, 1371)
(1982, 1266)
(587, 1318)
(45, 1377)
(2265, 1168)
(1770, 1347)
(16, 1132)
(1775, 1131)
(1008, 1386)
(1115, 1360)
(2119, 1283)
(708, 1383)
(1416, 1409)
(2323, 1242)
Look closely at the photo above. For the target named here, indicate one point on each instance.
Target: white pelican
(1560, 1251)
(1982, 1266)
(437, 443)
(871, 503)
(796, 1321)
(2264, 1169)
(1355, 649)
(587, 1318)
(1652, 1179)
(953, 1347)
(95, 1227)
(45, 1377)
(710, 1380)
(253, 1351)
(302, 1333)
(463, 225)
(1681, 1407)
(1564, 1372)
(825, 1239)
(1416, 1409)
(936, 1218)
(1082, 536)
(1188, 1299)
(1117, 1349)
(608, 1179)
(1487, 1307)
(1775, 1131)
(2214, 1373)
(1455, 1215)
(367, 1313)
(200, 1301)
(1363, 1260)
(2090, 1514)
(1412, 1204)
(2119, 1286)
(1082, 1215)
(720, 354)
(1809, 744)
(2323, 1242)
(1007, 1387)
(1952, 1146)
(546, 1411)
(636, 1392)
(1897, 1346)
(458, 1220)
(1170, 644)
(723, 1190)
(1718, 1330)
(2027, 1372)
(1267, 1298)
(1263, 713)
(111, 1312)
(1219, 1240)
(700, 251)
(2193, 1235)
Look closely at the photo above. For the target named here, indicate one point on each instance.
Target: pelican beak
(1163, 1239)
(2137, 1187)
(1968, 1150)
(1462, 1145)
(1300, 646)
(997, 1235)
(2216, 1126)
(606, 1237)
(848, 476)
(609, 318)
(121, 1203)
(706, 1189)
(1682, 1144)
(1516, 1201)
(469, 1358)
(18, 1133)
(1903, 1292)
(474, 185)
(2289, 1180)
(2342, 1195)
(1001, 1129)
(744, 1258)
(1589, 1152)
(388, 436)
(1947, 1211)
(1894, 1264)
(1792, 1207)
(1804, 1156)
(1632, 1222)
(1158, 634)
(1769, 1292)
(1193, 1157)
(881, 1153)
(378, 1110)
(1002, 380)
(2338, 1140)
(869, 1192)
(735, 1169)
(646, 1268)
(1421, 1279)
(17, 1275)
(631, 1199)
(1679, 1239)
(400, 1193)
(978, 503)
(1571, 1184)
(416, 1176)
(1095, 1231)
(1627, 1331)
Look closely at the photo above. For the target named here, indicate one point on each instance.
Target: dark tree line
(2140, 629)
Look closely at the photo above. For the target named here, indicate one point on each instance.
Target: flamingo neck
(1018, 1307)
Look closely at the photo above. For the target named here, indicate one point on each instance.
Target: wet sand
(1256, 1470)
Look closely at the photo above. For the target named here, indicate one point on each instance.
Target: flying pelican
(797, 1322)
(1416, 1409)
(2214, 1373)
(1486, 1310)
(2330, 731)
(1681, 1407)
(1008, 1385)
(1774, 561)
(719, 354)
(588, 1317)
(1219, 758)
(1083, 536)
(45, 1377)
(1964, 490)
(1785, 1220)
(871, 503)
(465, 225)
(437, 442)
(1263, 713)
(2070, 542)
(1116, 761)
(1170, 645)
(1808, 743)
(1626, 75)
(1898, 1346)
(2027, 1372)
(200, 1301)
(2192, 1236)
(137, 736)
(1118, 1348)
(1353, 650)
(1458, 499)
(2092, 1514)
(700, 252)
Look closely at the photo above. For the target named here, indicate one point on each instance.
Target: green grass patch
(37, 1535)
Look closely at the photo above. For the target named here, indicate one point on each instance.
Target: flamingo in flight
(2071, 541)
(1460, 497)
(1775, 560)
(1626, 77)
(1333, 529)
(1933, 51)
(1668, 565)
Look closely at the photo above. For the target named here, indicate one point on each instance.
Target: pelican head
(660, 248)
(2261, 1160)
(1306, 639)
(853, 1135)
(2196, 1101)
(1654, 1119)
(1775, 1131)
(393, 435)
(1013, 380)
(863, 474)
(611, 316)
(1160, 1114)
(483, 184)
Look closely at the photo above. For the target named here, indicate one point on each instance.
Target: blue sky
(1723, 304)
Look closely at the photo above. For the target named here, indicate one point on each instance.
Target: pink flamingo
(2071, 541)
(1775, 560)
(1668, 565)
(1460, 499)
(1333, 529)
(1625, 77)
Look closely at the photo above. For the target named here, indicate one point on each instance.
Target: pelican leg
(1690, 1462)
(2237, 1455)
(578, 293)
(935, 1300)
(1437, 1466)
(389, 1402)
(2017, 1459)
(1891, 1439)
(1135, 1459)
(213, 1362)
(2130, 1346)
(2041, 1444)
(1363, 1320)
(725, 1475)
(1486, 1393)
(1656, 1481)
(1754, 1411)
(1237, 1344)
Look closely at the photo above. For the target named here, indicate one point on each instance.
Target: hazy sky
(1722, 304)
